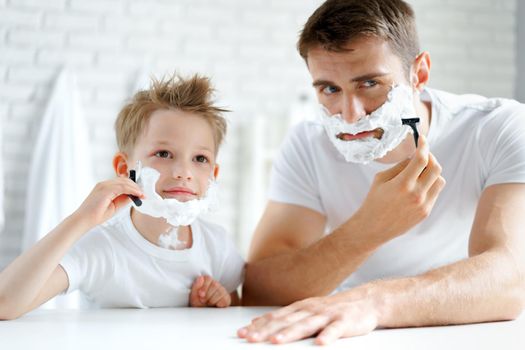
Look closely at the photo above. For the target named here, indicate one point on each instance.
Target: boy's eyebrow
(167, 143)
(368, 76)
(205, 148)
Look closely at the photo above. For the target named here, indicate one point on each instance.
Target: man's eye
(369, 83)
(201, 159)
(163, 154)
(328, 90)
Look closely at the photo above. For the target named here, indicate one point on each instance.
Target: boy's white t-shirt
(115, 266)
(479, 142)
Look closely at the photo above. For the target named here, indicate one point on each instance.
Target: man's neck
(152, 228)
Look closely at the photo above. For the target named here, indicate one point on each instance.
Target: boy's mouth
(179, 193)
(376, 133)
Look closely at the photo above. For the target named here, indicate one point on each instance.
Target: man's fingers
(263, 328)
(300, 329)
(389, 174)
(331, 333)
(435, 189)
(418, 162)
(429, 174)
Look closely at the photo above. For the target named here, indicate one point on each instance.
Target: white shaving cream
(399, 104)
(175, 212)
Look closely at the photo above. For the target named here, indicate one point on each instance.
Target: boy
(174, 130)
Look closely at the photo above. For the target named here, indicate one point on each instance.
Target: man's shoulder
(477, 104)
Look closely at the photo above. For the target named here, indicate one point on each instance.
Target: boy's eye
(163, 154)
(328, 90)
(201, 159)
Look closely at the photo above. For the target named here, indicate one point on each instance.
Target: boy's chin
(181, 198)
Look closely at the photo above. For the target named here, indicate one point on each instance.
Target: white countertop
(211, 328)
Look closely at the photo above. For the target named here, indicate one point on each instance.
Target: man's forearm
(313, 271)
(486, 287)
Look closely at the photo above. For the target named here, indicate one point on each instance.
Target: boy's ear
(120, 164)
(421, 74)
(216, 171)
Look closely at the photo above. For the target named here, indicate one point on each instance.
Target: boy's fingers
(204, 289)
(218, 293)
(224, 301)
(197, 283)
(194, 297)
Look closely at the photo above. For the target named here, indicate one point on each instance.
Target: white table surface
(210, 328)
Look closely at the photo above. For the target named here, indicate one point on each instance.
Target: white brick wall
(248, 47)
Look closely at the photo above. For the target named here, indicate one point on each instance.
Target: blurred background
(247, 47)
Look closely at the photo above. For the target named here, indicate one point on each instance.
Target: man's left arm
(487, 286)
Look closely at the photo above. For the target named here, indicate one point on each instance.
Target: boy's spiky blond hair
(188, 95)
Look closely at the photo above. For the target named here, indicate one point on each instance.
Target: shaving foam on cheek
(388, 117)
(175, 212)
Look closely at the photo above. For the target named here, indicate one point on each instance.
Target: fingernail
(242, 332)
(255, 336)
(279, 337)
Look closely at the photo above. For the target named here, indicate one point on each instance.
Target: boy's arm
(35, 276)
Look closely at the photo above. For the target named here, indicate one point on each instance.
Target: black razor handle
(135, 199)
(412, 123)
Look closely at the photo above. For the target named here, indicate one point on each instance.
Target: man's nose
(352, 109)
(182, 171)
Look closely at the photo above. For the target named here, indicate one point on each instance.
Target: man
(360, 230)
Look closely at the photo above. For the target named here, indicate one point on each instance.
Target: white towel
(60, 175)
(2, 217)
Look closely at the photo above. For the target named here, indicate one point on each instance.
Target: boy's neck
(151, 228)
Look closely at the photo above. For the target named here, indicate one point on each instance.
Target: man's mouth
(376, 133)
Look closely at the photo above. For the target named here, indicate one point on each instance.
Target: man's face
(180, 145)
(356, 82)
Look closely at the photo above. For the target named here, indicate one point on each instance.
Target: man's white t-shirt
(479, 142)
(115, 266)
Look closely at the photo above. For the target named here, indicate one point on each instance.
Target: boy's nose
(182, 172)
(352, 109)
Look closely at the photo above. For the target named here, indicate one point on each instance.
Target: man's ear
(120, 164)
(216, 171)
(421, 69)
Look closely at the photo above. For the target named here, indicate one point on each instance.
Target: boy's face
(356, 82)
(180, 145)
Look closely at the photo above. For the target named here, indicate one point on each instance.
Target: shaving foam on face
(170, 239)
(175, 212)
(399, 104)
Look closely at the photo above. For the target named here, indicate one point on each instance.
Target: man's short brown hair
(176, 93)
(336, 22)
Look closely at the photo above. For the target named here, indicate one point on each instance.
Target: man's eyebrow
(322, 83)
(369, 76)
(363, 77)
